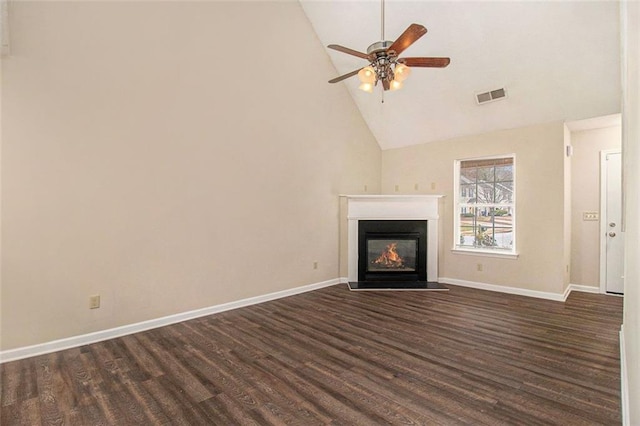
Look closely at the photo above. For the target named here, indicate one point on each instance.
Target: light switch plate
(590, 216)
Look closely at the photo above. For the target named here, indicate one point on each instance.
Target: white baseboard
(584, 288)
(624, 385)
(98, 336)
(580, 287)
(504, 289)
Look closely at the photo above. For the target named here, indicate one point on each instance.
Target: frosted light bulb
(367, 87)
(367, 75)
(395, 85)
(401, 72)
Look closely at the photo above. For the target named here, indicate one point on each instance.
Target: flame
(390, 257)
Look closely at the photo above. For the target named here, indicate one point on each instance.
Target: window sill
(485, 253)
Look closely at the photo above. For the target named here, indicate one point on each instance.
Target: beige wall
(168, 156)
(540, 198)
(585, 196)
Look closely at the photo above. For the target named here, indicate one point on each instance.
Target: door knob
(612, 234)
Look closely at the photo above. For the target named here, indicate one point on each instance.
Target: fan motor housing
(379, 47)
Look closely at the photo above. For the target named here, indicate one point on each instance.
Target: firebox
(392, 250)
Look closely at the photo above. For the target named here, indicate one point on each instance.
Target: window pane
(503, 227)
(485, 174)
(467, 226)
(504, 173)
(502, 214)
(485, 193)
(484, 227)
(504, 192)
(468, 175)
(468, 193)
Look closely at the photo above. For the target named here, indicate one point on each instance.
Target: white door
(612, 220)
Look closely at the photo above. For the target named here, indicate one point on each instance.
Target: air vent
(493, 95)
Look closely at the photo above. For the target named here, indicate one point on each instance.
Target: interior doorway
(611, 234)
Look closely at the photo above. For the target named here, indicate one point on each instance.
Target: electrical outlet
(315, 265)
(365, 188)
(94, 301)
(479, 267)
(397, 188)
(416, 187)
(433, 185)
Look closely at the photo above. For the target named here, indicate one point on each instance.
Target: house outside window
(485, 207)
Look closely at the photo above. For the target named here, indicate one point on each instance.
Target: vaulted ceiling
(557, 60)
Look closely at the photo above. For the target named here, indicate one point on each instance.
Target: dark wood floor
(338, 357)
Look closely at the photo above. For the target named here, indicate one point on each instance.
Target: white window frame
(481, 251)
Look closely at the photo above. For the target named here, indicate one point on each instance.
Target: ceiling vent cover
(493, 95)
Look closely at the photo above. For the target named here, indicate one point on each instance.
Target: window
(485, 205)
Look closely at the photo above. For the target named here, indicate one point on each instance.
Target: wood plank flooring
(337, 357)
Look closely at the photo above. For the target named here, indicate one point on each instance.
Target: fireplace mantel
(392, 207)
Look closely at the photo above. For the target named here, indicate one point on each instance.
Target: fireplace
(392, 242)
(392, 250)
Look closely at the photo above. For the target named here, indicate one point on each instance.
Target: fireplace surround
(386, 213)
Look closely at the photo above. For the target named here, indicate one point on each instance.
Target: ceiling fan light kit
(384, 64)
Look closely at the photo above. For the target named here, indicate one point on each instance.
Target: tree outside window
(485, 207)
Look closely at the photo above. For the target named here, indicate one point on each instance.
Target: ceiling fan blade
(407, 38)
(425, 62)
(345, 76)
(348, 51)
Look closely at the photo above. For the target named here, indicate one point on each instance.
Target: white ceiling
(557, 60)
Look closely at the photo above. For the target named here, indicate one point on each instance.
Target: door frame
(603, 211)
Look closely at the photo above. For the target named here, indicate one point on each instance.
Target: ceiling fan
(384, 64)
